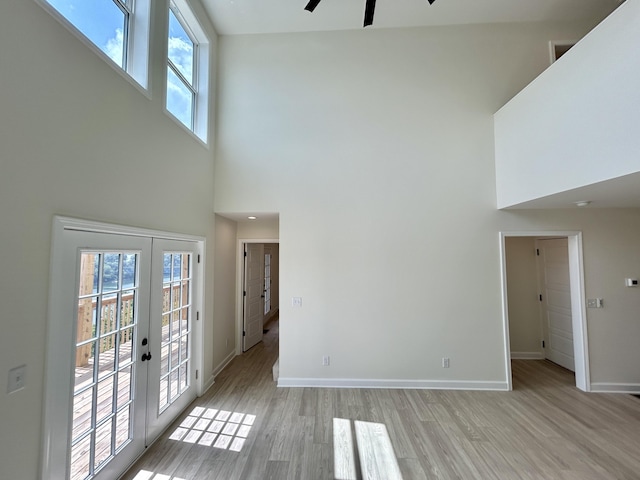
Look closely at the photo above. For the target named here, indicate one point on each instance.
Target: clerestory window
(117, 29)
(187, 69)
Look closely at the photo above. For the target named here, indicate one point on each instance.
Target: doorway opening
(554, 302)
(258, 290)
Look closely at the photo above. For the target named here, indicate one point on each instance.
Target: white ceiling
(233, 17)
(621, 192)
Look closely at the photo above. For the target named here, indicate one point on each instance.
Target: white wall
(376, 147)
(225, 291)
(578, 123)
(525, 327)
(77, 139)
(268, 229)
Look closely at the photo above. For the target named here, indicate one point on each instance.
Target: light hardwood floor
(544, 429)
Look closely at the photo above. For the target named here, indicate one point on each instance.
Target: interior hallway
(544, 429)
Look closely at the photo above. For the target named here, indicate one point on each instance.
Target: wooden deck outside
(105, 406)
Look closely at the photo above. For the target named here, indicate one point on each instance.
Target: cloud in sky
(179, 97)
(114, 47)
(181, 54)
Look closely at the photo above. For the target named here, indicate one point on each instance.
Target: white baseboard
(633, 388)
(527, 356)
(392, 384)
(206, 386)
(224, 363)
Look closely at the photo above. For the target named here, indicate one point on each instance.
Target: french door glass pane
(105, 359)
(176, 328)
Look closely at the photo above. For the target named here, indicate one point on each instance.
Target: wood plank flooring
(544, 429)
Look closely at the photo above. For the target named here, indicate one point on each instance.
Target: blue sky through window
(104, 24)
(180, 48)
(181, 53)
(101, 21)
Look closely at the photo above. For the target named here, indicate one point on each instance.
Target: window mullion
(179, 74)
(125, 5)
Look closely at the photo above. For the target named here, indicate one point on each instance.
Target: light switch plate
(16, 379)
(595, 303)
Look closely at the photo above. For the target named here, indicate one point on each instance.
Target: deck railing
(108, 323)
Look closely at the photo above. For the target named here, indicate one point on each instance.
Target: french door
(173, 374)
(120, 360)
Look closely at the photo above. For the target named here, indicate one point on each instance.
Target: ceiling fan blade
(311, 6)
(369, 9)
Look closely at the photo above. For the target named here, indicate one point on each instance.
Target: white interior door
(253, 305)
(556, 301)
(96, 384)
(172, 330)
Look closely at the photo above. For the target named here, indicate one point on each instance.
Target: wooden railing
(108, 317)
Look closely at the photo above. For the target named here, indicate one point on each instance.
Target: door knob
(146, 356)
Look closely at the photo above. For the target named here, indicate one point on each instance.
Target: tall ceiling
(234, 17)
(237, 17)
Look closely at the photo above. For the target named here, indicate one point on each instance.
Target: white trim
(206, 386)
(561, 43)
(578, 304)
(392, 384)
(202, 62)
(505, 312)
(240, 285)
(632, 388)
(224, 364)
(51, 442)
(70, 223)
(579, 313)
(527, 356)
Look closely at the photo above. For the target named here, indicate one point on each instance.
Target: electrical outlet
(445, 362)
(326, 361)
(16, 379)
(296, 302)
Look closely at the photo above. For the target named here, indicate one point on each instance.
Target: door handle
(146, 356)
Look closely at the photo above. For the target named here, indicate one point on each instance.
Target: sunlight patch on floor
(377, 460)
(147, 475)
(215, 428)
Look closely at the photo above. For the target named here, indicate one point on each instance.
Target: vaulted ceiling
(232, 17)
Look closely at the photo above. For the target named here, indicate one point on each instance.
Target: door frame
(240, 285)
(60, 224)
(578, 303)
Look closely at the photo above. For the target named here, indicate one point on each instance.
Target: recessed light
(252, 218)
(582, 203)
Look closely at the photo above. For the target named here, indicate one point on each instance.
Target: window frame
(136, 40)
(199, 88)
